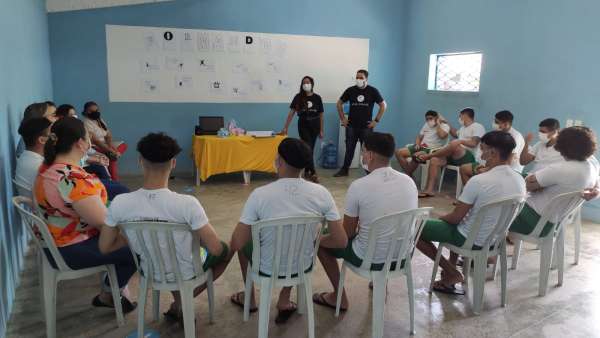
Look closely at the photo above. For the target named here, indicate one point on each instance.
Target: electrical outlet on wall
(569, 123)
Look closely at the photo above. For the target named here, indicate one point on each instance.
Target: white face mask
(431, 123)
(543, 137)
(307, 87)
(461, 122)
(363, 164)
(361, 83)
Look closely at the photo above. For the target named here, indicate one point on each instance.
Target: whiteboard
(156, 64)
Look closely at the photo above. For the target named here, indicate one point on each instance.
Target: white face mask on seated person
(431, 123)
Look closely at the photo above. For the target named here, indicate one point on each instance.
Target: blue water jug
(328, 159)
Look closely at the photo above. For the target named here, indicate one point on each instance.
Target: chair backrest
(22, 189)
(38, 229)
(509, 209)
(298, 232)
(148, 235)
(557, 210)
(406, 229)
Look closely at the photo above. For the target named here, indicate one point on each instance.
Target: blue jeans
(114, 188)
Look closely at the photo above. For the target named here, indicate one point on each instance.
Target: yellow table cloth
(216, 155)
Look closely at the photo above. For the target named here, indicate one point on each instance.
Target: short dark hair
(380, 143)
(63, 135)
(502, 141)
(469, 112)
(505, 116)
(33, 128)
(89, 104)
(50, 103)
(35, 110)
(550, 123)
(431, 113)
(576, 143)
(158, 147)
(364, 72)
(295, 152)
(63, 110)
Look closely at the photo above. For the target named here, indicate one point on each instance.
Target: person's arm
(526, 157)
(91, 210)
(337, 237)
(241, 235)
(379, 116)
(457, 215)
(111, 239)
(322, 122)
(471, 142)
(418, 141)
(350, 225)
(440, 131)
(532, 184)
(209, 239)
(288, 120)
(100, 144)
(340, 108)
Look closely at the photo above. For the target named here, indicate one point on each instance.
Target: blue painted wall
(540, 60)
(78, 50)
(25, 77)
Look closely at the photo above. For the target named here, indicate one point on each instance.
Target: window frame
(433, 73)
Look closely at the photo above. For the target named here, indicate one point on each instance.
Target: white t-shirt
(287, 197)
(560, 178)
(94, 129)
(544, 156)
(162, 205)
(430, 136)
(520, 141)
(384, 191)
(499, 183)
(28, 165)
(473, 130)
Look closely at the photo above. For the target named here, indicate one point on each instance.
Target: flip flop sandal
(319, 299)
(126, 304)
(449, 290)
(235, 299)
(425, 195)
(284, 315)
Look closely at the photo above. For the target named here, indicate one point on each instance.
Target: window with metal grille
(458, 72)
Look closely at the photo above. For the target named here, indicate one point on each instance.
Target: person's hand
(283, 132)
(590, 194)
(103, 160)
(481, 169)
(424, 157)
(529, 137)
(440, 119)
(321, 134)
(372, 124)
(417, 147)
(344, 122)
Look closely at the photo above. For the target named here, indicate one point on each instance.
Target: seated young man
(155, 202)
(543, 153)
(35, 133)
(503, 121)
(576, 172)
(457, 152)
(289, 196)
(384, 191)
(499, 182)
(432, 136)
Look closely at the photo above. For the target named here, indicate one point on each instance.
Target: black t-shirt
(310, 109)
(361, 104)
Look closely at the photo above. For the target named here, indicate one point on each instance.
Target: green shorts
(467, 158)
(211, 260)
(526, 221)
(247, 252)
(412, 150)
(348, 255)
(436, 230)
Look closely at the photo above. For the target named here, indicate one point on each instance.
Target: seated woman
(72, 202)
(102, 137)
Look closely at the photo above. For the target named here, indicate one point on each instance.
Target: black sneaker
(343, 172)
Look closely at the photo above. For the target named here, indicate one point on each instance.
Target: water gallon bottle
(328, 157)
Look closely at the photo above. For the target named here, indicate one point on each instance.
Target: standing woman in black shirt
(309, 107)
(360, 122)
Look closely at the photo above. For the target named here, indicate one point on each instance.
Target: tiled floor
(572, 310)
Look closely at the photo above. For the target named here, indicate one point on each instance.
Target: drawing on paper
(216, 87)
(266, 45)
(240, 68)
(169, 41)
(184, 82)
(149, 86)
(203, 42)
(149, 64)
(187, 42)
(218, 44)
(150, 42)
(206, 65)
(273, 67)
(234, 43)
(174, 63)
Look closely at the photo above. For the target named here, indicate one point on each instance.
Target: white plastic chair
(557, 210)
(575, 219)
(155, 254)
(407, 229)
(459, 183)
(51, 276)
(300, 231)
(494, 245)
(23, 190)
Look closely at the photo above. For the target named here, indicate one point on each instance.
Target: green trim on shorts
(467, 158)
(436, 230)
(350, 256)
(211, 260)
(527, 220)
(247, 252)
(412, 150)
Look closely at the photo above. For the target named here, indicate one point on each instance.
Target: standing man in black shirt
(360, 121)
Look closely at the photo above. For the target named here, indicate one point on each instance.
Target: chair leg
(247, 294)
(155, 304)
(466, 272)
(116, 294)
(210, 290)
(516, 254)
(310, 312)
(458, 184)
(545, 262)
(411, 296)
(49, 290)
(379, 287)
(560, 255)
(503, 273)
(442, 173)
(495, 272)
(577, 226)
(435, 266)
(424, 168)
(264, 307)
(479, 282)
(338, 302)
(40, 262)
(301, 298)
(189, 315)
(141, 309)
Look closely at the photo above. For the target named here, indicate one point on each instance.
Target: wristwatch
(377, 120)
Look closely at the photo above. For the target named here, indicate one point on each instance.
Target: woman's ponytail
(50, 149)
(63, 135)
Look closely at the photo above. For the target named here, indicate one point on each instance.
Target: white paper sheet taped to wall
(155, 64)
